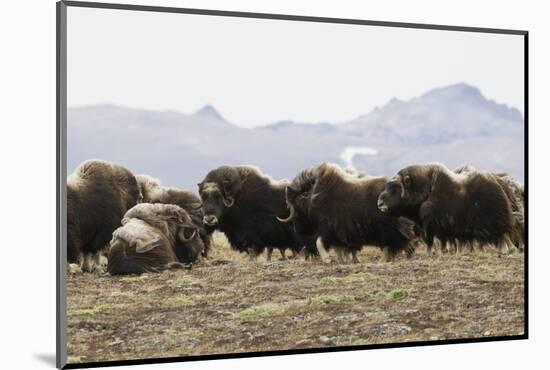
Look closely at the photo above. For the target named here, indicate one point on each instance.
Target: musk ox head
(409, 188)
(171, 220)
(151, 238)
(218, 192)
(299, 194)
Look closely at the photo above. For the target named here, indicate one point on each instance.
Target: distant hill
(454, 125)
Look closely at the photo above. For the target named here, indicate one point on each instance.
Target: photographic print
(239, 185)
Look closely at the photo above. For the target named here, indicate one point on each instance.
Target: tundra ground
(230, 304)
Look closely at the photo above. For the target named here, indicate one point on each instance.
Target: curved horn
(181, 235)
(197, 206)
(228, 201)
(290, 217)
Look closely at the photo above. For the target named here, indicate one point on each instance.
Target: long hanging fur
(252, 203)
(341, 209)
(98, 195)
(460, 209)
(154, 192)
(149, 240)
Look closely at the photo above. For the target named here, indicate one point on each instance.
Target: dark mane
(464, 206)
(250, 223)
(341, 208)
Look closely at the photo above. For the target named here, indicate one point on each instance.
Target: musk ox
(465, 208)
(98, 195)
(339, 210)
(516, 195)
(153, 191)
(243, 203)
(152, 238)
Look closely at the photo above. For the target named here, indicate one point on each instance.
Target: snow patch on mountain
(351, 151)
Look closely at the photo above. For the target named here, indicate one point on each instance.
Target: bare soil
(230, 304)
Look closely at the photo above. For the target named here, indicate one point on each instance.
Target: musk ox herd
(143, 226)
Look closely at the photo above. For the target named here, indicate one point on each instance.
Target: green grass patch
(358, 276)
(329, 280)
(181, 301)
(74, 360)
(182, 281)
(397, 294)
(191, 333)
(351, 278)
(332, 298)
(104, 308)
(122, 294)
(134, 278)
(265, 310)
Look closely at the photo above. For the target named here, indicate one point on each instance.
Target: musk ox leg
(74, 254)
(309, 255)
(252, 253)
(503, 245)
(509, 244)
(87, 263)
(479, 246)
(348, 258)
(294, 254)
(283, 255)
(340, 255)
(207, 240)
(386, 256)
(269, 253)
(325, 257)
(98, 263)
(438, 245)
(389, 253)
(354, 258)
(450, 247)
(410, 248)
(430, 250)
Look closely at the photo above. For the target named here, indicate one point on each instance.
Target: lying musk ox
(153, 191)
(455, 208)
(98, 195)
(516, 195)
(152, 238)
(243, 203)
(339, 210)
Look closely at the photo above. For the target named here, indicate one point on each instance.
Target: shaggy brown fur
(339, 210)
(455, 208)
(152, 238)
(243, 203)
(154, 192)
(98, 195)
(515, 193)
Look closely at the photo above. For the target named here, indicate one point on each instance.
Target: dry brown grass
(230, 304)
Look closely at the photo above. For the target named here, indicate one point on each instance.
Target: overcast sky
(257, 72)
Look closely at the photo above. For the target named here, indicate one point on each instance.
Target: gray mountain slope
(453, 125)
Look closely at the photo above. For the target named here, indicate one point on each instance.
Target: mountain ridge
(450, 124)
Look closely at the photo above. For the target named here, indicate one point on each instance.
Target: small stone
(116, 342)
